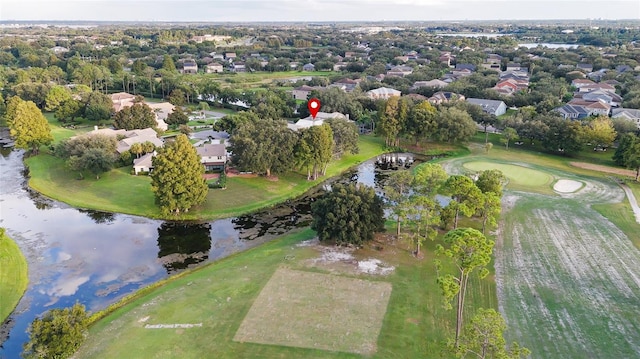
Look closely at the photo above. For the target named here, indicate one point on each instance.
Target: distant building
(212, 156)
(308, 67)
(627, 113)
(190, 67)
(383, 93)
(318, 121)
(493, 107)
(214, 67)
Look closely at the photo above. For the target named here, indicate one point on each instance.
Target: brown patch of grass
(606, 169)
(318, 311)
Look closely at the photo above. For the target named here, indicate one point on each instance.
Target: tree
(136, 149)
(484, 338)
(508, 135)
(491, 181)
(422, 121)
(177, 179)
(631, 157)
(58, 334)
(68, 110)
(138, 116)
(489, 210)
(423, 214)
(56, 96)
(454, 125)
(429, 179)
(98, 107)
(392, 119)
(263, 146)
(28, 126)
(348, 215)
(95, 160)
(315, 149)
(625, 143)
(177, 97)
(488, 146)
(204, 106)
(345, 136)
(168, 64)
(466, 198)
(177, 117)
(184, 129)
(600, 132)
(469, 251)
(397, 190)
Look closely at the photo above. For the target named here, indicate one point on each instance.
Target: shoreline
(289, 188)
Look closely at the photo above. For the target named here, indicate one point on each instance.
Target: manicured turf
(566, 270)
(119, 191)
(13, 275)
(519, 175)
(220, 295)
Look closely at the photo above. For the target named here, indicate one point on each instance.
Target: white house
(493, 107)
(144, 163)
(318, 121)
(383, 93)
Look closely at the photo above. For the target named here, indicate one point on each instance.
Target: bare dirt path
(632, 201)
(605, 169)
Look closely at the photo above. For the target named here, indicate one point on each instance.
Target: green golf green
(517, 175)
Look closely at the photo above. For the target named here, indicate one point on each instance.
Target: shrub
(58, 334)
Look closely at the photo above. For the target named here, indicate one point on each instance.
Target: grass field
(119, 191)
(221, 295)
(566, 264)
(317, 311)
(518, 175)
(13, 275)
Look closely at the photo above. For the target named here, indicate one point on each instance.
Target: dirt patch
(318, 311)
(342, 260)
(605, 169)
(567, 186)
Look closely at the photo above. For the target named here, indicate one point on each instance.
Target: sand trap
(567, 186)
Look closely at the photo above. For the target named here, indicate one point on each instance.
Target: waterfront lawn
(13, 275)
(220, 296)
(119, 191)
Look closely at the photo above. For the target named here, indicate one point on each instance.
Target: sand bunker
(567, 186)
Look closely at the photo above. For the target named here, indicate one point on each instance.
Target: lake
(95, 258)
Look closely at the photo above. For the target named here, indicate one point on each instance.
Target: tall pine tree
(177, 179)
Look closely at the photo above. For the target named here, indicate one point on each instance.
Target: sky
(316, 10)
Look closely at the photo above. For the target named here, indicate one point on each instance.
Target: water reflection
(183, 244)
(99, 217)
(96, 257)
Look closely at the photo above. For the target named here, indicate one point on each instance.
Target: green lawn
(119, 191)
(567, 264)
(220, 295)
(13, 275)
(519, 175)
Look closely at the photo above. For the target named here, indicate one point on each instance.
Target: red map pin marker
(314, 107)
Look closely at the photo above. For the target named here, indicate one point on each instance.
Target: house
(382, 93)
(215, 137)
(585, 67)
(189, 67)
(162, 110)
(593, 108)
(515, 66)
(308, 67)
(212, 156)
(597, 75)
(628, 114)
(493, 107)
(129, 137)
(348, 84)
(470, 67)
(444, 96)
(400, 71)
(230, 56)
(446, 58)
(121, 100)
(339, 66)
(317, 121)
(239, 67)
(214, 67)
(597, 86)
(506, 87)
(571, 112)
(144, 163)
(433, 83)
(59, 49)
(302, 92)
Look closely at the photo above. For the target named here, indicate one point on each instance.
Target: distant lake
(532, 45)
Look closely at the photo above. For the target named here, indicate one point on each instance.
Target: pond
(95, 258)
